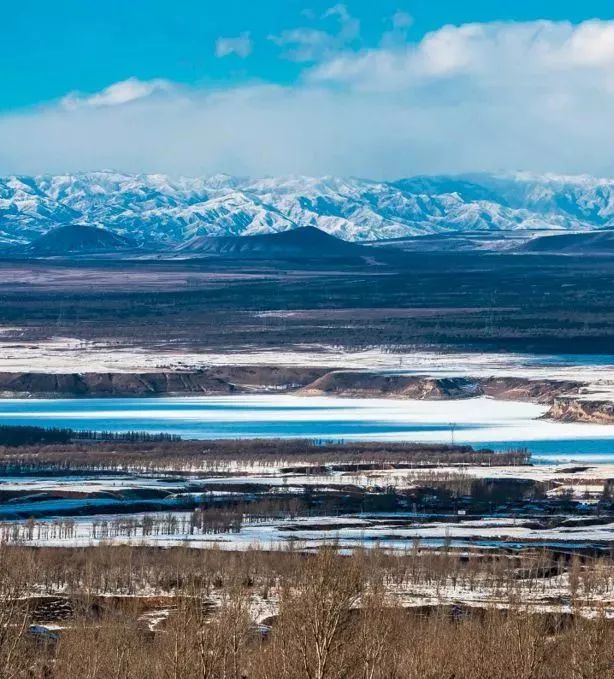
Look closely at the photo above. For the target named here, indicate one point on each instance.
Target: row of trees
(13, 436)
(143, 452)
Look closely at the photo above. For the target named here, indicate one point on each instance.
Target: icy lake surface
(479, 421)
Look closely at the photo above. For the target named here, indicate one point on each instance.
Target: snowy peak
(157, 209)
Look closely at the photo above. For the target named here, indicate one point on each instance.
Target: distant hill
(471, 241)
(596, 242)
(304, 242)
(79, 239)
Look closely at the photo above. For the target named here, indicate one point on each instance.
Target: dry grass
(331, 617)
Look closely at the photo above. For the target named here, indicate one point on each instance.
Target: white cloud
(509, 52)
(592, 44)
(537, 96)
(117, 94)
(241, 46)
(308, 44)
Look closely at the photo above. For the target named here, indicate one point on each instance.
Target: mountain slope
(601, 242)
(160, 209)
(304, 242)
(79, 239)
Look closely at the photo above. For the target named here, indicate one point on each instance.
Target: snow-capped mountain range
(156, 209)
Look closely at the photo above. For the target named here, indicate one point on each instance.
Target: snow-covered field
(63, 501)
(67, 354)
(222, 474)
(373, 530)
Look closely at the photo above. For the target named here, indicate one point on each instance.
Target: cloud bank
(476, 97)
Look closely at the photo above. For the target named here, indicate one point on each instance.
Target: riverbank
(567, 399)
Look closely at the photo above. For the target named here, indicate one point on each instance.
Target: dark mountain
(79, 239)
(301, 243)
(596, 243)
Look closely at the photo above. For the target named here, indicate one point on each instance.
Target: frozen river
(480, 421)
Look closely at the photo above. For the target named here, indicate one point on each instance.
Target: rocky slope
(304, 242)
(566, 400)
(598, 243)
(19, 385)
(216, 381)
(570, 409)
(374, 385)
(542, 391)
(377, 385)
(156, 209)
(79, 239)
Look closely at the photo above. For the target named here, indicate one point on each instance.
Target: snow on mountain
(159, 209)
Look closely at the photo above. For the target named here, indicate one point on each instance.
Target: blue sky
(379, 88)
(50, 48)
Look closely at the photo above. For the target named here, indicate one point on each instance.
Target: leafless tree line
(130, 569)
(219, 455)
(333, 618)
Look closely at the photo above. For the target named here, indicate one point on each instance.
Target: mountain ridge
(155, 208)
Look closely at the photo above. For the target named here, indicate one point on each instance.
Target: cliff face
(268, 376)
(303, 381)
(111, 384)
(569, 409)
(522, 389)
(563, 396)
(374, 385)
(216, 381)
